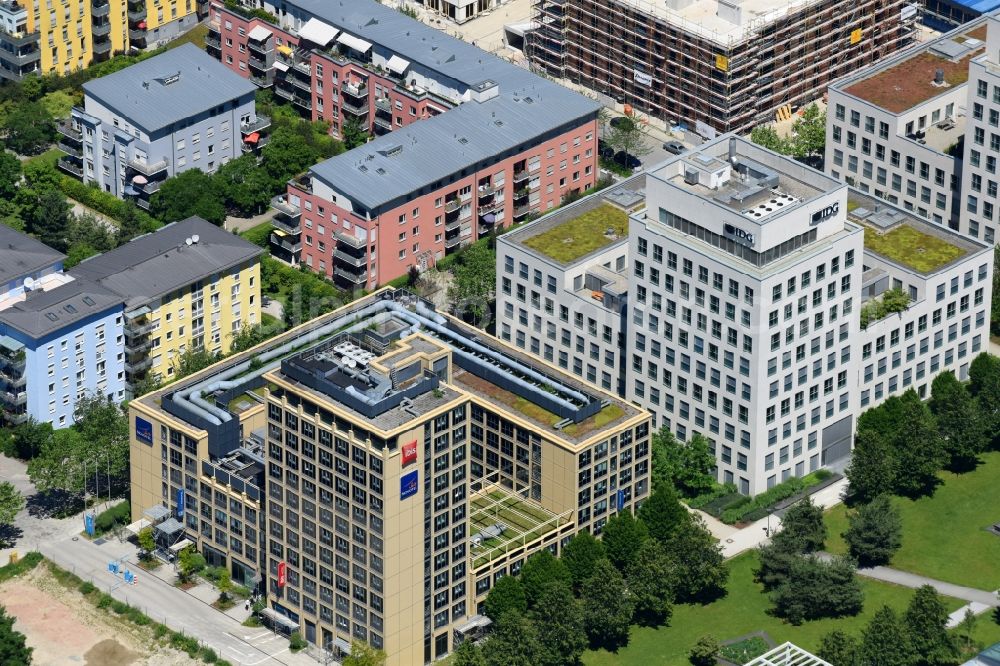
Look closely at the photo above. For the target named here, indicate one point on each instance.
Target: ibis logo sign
(282, 574)
(409, 453)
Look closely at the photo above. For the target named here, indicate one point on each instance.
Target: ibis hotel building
(376, 470)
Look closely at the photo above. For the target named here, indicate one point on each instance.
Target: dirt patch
(109, 652)
(65, 629)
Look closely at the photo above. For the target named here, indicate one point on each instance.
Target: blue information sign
(408, 484)
(180, 502)
(143, 430)
(88, 523)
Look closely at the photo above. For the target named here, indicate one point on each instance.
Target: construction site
(713, 66)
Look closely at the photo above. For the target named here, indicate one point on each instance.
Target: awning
(131, 191)
(156, 513)
(397, 64)
(138, 526)
(260, 33)
(343, 647)
(489, 217)
(474, 622)
(285, 49)
(253, 137)
(280, 66)
(140, 180)
(318, 32)
(10, 344)
(279, 233)
(278, 618)
(142, 25)
(138, 312)
(356, 43)
(169, 527)
(181, 545)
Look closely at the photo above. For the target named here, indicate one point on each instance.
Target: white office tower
(745, 283)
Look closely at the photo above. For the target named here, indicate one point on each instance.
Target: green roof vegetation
(912, 248)
(579, 236)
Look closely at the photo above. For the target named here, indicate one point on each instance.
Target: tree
(958, 421)
(77, 253)
(514, 642)
(191, 360)
(189, 562)
(815, 589)
(966, 632)
(30, 128)
(246, 188)
(13, 648)
(10, 175)
(190, 193)
(628, 136)
(11, 502)
(86, 229)
(363, 654)
(919, 449)
(147, 543)
(28, 439)
(774, 562)
(651, 578)
(839, 649)
(539, 571)
(984, 385)
(884, 641)
(475, 281)
(663, 513)
(803, 525)
(690, 468)
(286, 155)
(49, 220)
(926, 621)
(872, 470)
(249, 336)
(580, 555)
(705, 651)
(468, 654)
(129, 224)
(701, 571)
(225, 585)
(353, 134)
(59, 464)
(622, 536)
(559, 621)
(607, 607)
(875, 532)
(507, 596)
(809, 132)
(768, 137)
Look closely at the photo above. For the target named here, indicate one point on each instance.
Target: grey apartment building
(176, 111)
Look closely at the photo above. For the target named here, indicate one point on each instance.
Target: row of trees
(549, 613)
(917, 638)
(902, 444)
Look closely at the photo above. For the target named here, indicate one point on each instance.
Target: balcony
(521, 176)
(345, 258)
(359, 278)
(484, 191)
(282, 204)
(18, 39)
(304, 103)
(258, 145)
(262, 48)
(68, 148)
(258, 62)
(521, 194)
(141, 345)
(147, 168)
(354, 109)
(135, 35)
(452, 242)
(383, 123)
(357, 91)
(13, 399)
(134, 368)
(521, 211)
(17, 418)
(100, 9)
(13, 381)
(137, 15)
(277, 239)
(12, 364)
(213, 40)
(351, 241)
(383, 104)
(21, 58)
(260, 123)
(67, 165)
(451, 205)
(100, 29)
(102, 46)
(135, 330)
(287, 224)
(265, 81)
(67, 130)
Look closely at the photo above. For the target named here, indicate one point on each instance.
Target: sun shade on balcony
(359, 45)
(285, 49)
(318, 32)
(252, 138)
(397, 65)
(280, 66)
(139, 180)
(260, 33)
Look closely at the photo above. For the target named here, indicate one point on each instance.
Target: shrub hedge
(119, 514)
(105, 203)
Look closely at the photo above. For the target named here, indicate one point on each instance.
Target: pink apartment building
(494, 142)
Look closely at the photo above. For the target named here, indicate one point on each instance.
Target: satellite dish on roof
(29, 283)
(188, 241)
(194, 239)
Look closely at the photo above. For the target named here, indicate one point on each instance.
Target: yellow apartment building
(190, 283)
(402, 462)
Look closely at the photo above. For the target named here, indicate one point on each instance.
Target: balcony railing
(100, 9)
(355, 90)
(68, 148)
(289, 245)
(137, 35)
(65, 164)
(261, 122)
(212, 40)
(284, 223)
(137, 14)
(70, 132)
(14, 399)
(383, 104)
(350, 241)
(452, 205)
(383, 122)
(343, 257)
(281, 203)
(100, 29)
(359, 278)
(521, 176)
(148, 168)
(138, 366)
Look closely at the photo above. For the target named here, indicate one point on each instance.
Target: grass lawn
(195, 35)
(50, 157)
(743, 611)
(581, 235)
(943, 535)
(910, 247)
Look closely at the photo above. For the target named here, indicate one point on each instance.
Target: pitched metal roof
(527, 107)
(42, 313)
(151, 266)
(177, 84)
(22, 255)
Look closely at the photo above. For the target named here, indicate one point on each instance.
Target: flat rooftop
(908, 80)
(736, 174)
(905, 239)
(706, 19)
(584, 227)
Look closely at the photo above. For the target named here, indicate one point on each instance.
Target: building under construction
(714, 65)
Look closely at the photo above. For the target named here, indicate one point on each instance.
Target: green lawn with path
(944, 536)
(742, 611)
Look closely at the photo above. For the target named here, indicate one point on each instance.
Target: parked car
(674, 147)
(628, 161)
